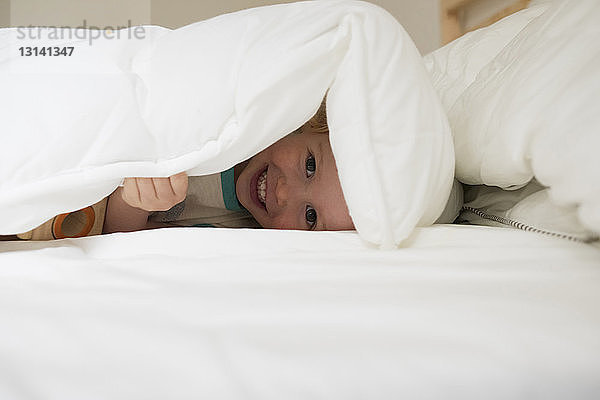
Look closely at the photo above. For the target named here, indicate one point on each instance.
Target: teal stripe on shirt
(228, 188)
(204, 225)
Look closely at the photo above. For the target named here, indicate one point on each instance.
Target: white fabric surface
(463, 313)
(209, 95)
(460, 313)
(522, 100)
(530, 207)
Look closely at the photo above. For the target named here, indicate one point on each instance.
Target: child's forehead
(303, 140)
(316, 142)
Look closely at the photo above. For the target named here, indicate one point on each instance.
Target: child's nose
(281, 192)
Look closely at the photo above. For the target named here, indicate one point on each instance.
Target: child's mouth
(261, 187)
(258, 188)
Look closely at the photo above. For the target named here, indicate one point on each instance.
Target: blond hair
(318, 122)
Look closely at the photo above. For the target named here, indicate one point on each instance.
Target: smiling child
(292, 184)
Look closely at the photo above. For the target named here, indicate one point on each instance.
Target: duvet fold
(204, 97)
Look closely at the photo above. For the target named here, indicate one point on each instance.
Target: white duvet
(209, 95)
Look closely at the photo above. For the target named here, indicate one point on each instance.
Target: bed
(456, 311)
(462, 312)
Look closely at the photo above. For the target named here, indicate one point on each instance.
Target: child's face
(301, 190)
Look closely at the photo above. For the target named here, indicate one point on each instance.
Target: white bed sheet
(465, 312)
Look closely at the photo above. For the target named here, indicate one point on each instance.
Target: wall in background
(73, 13)
(419, 17)
(4, 13)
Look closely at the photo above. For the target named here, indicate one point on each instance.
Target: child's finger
(163, 189)
(130, 192)
(179, 183)
(147, 191)
(155, 194)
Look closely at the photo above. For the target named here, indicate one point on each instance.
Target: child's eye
(311, 165)
(311, 217)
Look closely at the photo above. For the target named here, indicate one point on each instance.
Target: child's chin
(261, 221)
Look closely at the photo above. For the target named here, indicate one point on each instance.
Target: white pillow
(522, 98)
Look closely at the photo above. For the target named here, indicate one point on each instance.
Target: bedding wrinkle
(356, 49)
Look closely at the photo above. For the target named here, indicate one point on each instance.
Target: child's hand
(155, 194)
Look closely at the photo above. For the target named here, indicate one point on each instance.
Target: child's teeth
(261, 187)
